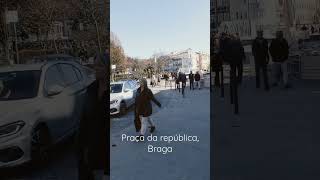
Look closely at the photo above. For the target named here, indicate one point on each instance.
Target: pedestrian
(217, 62)
(197, 79)
(312, 30)
(143, 106)
(233, 53)
(93, 142)
(159, 80)
(261, 59)
(183, 79)
(239, 57)
(153, 80)
(304, 28)
(177, 82)
(279, 50)
(191, 79)
(166, 78)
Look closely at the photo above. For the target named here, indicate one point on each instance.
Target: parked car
(40, 105)
(122, 96)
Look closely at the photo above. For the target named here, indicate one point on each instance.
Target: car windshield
(116, 88)
(19, 85)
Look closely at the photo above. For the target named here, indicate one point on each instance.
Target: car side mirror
(54, 90)
(126, 90)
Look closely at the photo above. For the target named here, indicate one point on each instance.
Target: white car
(122, 96)
(40, 105)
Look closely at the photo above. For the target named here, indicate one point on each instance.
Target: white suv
(40, 105)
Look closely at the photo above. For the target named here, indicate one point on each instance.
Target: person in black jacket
(166, 79)
(239, 57)
(191, 79)
(216, 61)
(177, 81)
(279, 50)
(143, 106)
(93, 153)
(233, 53)
(197, 79)
(183, 79)
(261, 59)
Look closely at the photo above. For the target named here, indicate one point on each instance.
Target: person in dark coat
(240, 57)
(143, 106)
(166, 79)
(313, 30)
(233, 53)
(93, 138)
(183, 79)
(261, 59)
(279, 50)
(216, 62)
(177, 78)
(191, 79)
(224, 44)
(197, 79)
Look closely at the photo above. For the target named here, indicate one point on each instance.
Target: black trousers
(258, 68)
(191, 85)
(183, 87)
(178, 86)
(239, 72)
(234, 82)
(217, 82)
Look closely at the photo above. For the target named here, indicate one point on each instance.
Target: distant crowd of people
(180, 80)
(312, 29)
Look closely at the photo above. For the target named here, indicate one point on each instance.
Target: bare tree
(37, 17)
(117, 54)
(92, 12)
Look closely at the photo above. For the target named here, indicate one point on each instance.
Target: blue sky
(145, 27)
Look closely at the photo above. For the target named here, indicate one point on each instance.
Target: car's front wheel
(123, 108)
(40, 143)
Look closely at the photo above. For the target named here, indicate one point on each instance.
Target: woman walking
(143, 107)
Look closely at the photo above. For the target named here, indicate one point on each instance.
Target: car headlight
(113, 101)
(10, 129)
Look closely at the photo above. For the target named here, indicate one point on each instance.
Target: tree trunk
(55, 45)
